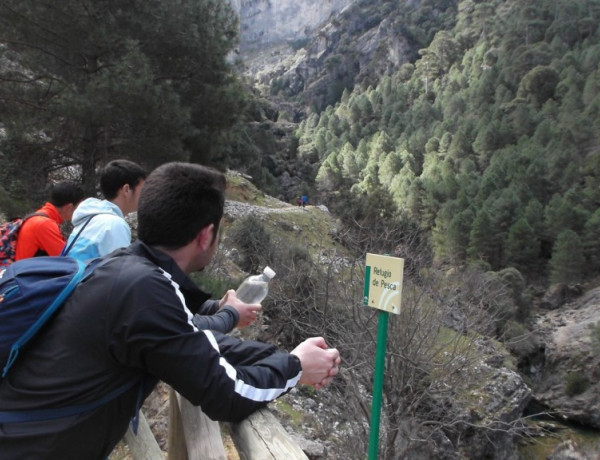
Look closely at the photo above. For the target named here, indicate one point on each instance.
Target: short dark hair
(177, 201)
(65, 192)
(117, 173)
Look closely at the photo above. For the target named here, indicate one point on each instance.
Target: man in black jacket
(129, 325)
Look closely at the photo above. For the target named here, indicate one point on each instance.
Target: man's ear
(125, 189)
(205, 236)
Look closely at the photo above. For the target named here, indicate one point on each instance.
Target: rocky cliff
(310, 51)
(264, 23)
(568, 378)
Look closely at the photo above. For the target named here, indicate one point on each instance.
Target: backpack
(31, 292)
(9, 232)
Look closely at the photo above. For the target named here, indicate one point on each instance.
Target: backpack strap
(66, 249)
(32, 214)
(18, 416)
(145, 386)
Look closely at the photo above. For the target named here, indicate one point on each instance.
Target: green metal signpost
(382, 328)
(383, 290)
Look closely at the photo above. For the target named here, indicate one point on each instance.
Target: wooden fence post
(202, 438)
(143, 445)
(177, 448)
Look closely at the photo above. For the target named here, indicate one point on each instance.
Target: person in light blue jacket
(99, 225)
(100, 228)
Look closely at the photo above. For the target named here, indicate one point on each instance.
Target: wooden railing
(193, 436)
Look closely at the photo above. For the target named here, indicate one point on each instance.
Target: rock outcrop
(265, 22)
(569, 380)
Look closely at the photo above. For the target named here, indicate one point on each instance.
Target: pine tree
(591, 241)
(567, 264)
(480, 237)
(146, 80)
(522, 246)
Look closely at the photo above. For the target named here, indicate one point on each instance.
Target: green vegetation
(567, 263)
(254, 242)
(81, 84)
(576, 383)
(595, 336)
(486, 142)
(296, 417)
(542, 447)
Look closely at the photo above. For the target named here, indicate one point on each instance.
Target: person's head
(121, 182)
(65, 196)
(178, 201)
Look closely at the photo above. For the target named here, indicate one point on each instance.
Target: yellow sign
(383, 282)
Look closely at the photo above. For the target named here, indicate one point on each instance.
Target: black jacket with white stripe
(131, 321)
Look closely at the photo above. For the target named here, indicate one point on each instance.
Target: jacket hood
(92, 206)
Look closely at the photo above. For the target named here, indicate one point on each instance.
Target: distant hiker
(299, 201)
(304, 200)
(100, 225)
(40, 235)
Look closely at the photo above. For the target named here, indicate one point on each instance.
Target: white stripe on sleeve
(181, 298)
(245, 389)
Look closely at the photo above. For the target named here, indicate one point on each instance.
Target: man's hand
(248, 311)
(319, 363)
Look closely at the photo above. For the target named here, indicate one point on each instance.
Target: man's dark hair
(177, 201)
(65, 192)
(117, 173)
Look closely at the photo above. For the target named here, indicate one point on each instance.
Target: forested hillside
(82, 83)
(488, 141)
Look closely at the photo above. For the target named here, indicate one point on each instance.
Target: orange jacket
(41, 233)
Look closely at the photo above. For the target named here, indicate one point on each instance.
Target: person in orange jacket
(40, 235)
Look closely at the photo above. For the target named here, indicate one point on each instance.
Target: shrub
(253, 240)
(216, 286)
(595, 336)
(576, 383)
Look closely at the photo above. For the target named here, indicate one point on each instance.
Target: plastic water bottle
(255, 288)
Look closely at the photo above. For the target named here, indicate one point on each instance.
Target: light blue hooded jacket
(105, 232)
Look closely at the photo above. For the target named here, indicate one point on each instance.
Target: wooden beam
(261, 437)
(203, 440)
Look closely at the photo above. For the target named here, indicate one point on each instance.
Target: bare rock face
(310, 65)
(266, 22)
(569, 381)
(308, 47)
(558, 294)
(488, 405)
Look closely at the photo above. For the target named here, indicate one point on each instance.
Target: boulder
(558, 294)
(569, 382)
(568, 450)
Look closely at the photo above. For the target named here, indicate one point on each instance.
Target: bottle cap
(269, 273)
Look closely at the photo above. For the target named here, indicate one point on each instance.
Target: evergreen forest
(488, 141)
(85, 82)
